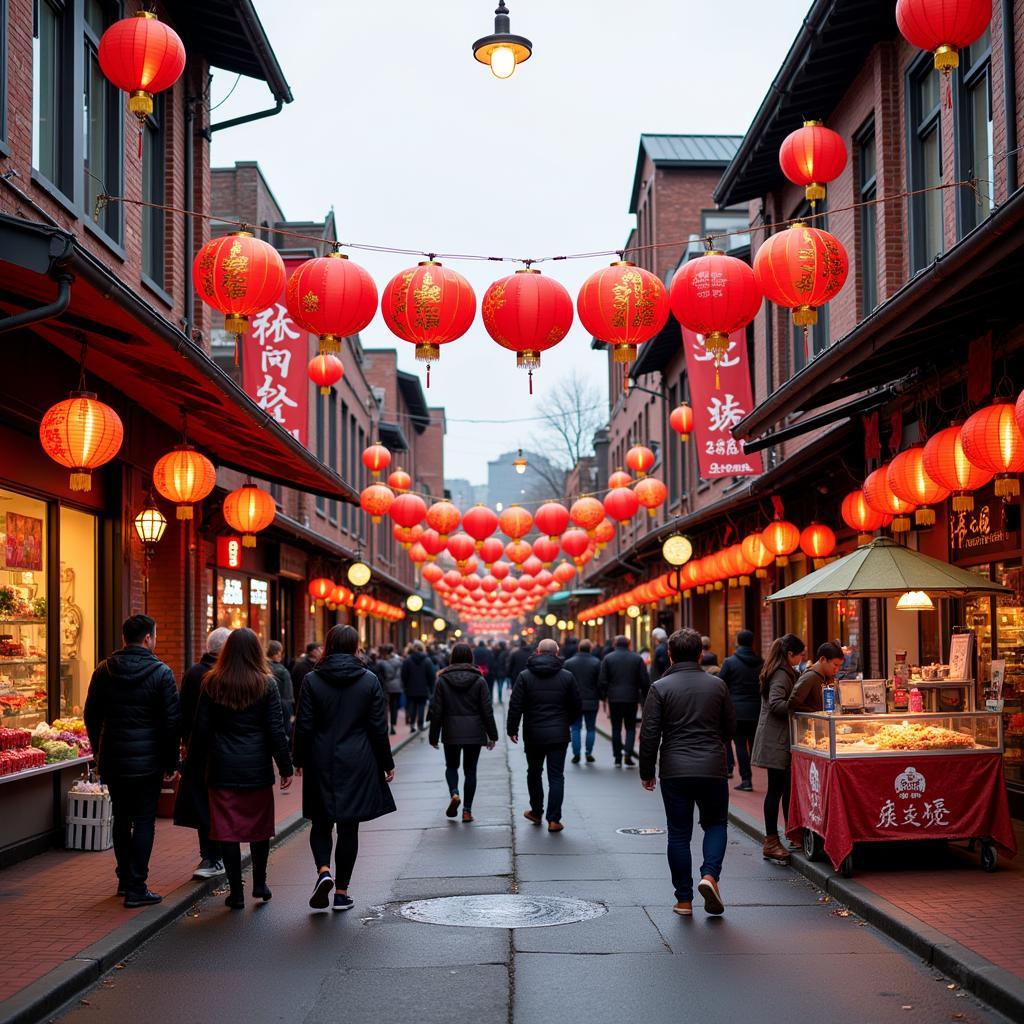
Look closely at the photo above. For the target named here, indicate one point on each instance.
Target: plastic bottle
(828, 698)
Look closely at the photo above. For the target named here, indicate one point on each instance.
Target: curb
(72, 978)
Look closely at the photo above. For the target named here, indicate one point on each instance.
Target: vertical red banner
(275, 357)
(716, 410)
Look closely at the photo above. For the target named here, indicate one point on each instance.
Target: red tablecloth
(908, 796)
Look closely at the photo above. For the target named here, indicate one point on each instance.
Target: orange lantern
(141, 56)
(408, 510)
(331, 297)
(249, 510)
(185, 477)
(82, 434)
(859, 515)
(399, 481)
(515, 522)
(325, 371)
(586, 513)
(500, 570)
(491, 550)
(619, 478)
(552, 518)
(992, 440)
(818, 542)
(564, 572)
(517, 551)
(651, 493)
(812, 156)
(443, 517)
(681, 421)
(376, 458)
(418, 554)
(321, 589)
(882, 498)
(547, 549)
(640, 458)
(756, 554)
(604, 533)
(376, 500)
(621, 504)
(781, 538)
(407, 535)
(910, 481)
(432, 572)
(947, 464)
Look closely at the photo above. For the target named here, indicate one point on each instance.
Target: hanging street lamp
(150, 524)
(502, 50)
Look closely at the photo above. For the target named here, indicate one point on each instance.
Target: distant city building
(464, 494)
(506, 487)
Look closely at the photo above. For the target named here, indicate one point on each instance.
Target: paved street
(779, 953)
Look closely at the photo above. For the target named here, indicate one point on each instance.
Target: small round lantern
(811, 157)
(882, 498)
(621, 504)
(376, 458)
(376, 500)
(141, 56)
(640, 458)
(860, 516)
(910, 481)
(408, 510)
(325, 371)
(755, 552)
(781, 538)
(551, 519)
(818, 542)
(82, 434)
(681, 421)
(185, 477)
(586, 513)
(444, 517)
(248, 510)
(947, 464)
(651, 493)
(399, 481)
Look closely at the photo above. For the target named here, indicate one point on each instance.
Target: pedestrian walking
(462, 718)
(585, 668)
(501, 679)
(192, 805)
(389, 672)
(304, 665)
(708, 658)
(517, 660)
(569, 648)
(343, 751)
(283, 678)
(808, 692)
(659, 656)
(418, 676)
(771, 742)
(133, 718)
(484, 661)
(546, 699)
(741, 673)
(624, 682)
(688, 720)
(239, 735)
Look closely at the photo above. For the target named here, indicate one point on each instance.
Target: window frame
(920, 125)
(156, 219)
(4, 52)
(967, 77)
(867, 221)
(62, 184)
(321, 445)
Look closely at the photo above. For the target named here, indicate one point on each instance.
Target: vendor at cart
(807, 693)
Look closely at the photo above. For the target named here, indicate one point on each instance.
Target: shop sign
(275, 355)
(984, 530)
(229, 552)
(720, 398)
(259, 593)
(233, 592)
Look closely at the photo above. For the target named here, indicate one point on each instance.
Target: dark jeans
(232, 854)
(469, 755)
(501, 681)
(321, 839)
(415, 709)
(778, 793)
(711, 797)
(394, 703)
(590, 717)
(134, 805)
(554, 755)
(623, 716)
(744, 742)
(209, 849)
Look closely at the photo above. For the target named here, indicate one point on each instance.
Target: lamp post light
(520, 463)
(502, 50)
(150, 524)
(677, 551)
(359, 573)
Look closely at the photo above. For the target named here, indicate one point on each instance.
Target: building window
(811, 341)
(153, 167)
(321, 444)
(332, 447)
(925, 163)
(51, 121)
(101, 120)
(732, 226)
(868, 219)
(974, 133)
(3, 70)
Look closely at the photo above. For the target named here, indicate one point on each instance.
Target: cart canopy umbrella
(884, 568)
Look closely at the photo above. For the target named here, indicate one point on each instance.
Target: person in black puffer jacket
(624, 682)
(501, 678)
(517, 659)
(586, 670)
(546, 699)
(342, 747)
(741, 672)
(418, 678)
(461, 716)
(133, 719)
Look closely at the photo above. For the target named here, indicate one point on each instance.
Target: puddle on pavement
(502, 911)
(640, 831)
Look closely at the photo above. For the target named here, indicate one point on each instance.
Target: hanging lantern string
(971, 183)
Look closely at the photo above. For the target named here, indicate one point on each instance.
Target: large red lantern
(429, 306)
(239, 275)
(621, 504)
(515, 522)
(376, 458)
(528, 314)
(480, 522)
(812, 156)
(185, 477)
(552, 518)
(860, 516)
(321, 589)
(141, 56)
(715, 295)
(82, 434)
(817, 542)
(399, 481)
(781, 538)
(248, 510)
(624, 306)
(546, 550)
(882, 498)
(461, 548)
(640, 458)
(433, 542)
(325, 371)
(574, 543)
(408, 510)
(992, 440)
(376, 500)
(331, 297)
(651, 493)
(681, 421)
(586, 513)
(490, 550)
(943, 26)
(910, 481)
(754, 551)
(947, 464)
(801, 268)
(444, 517)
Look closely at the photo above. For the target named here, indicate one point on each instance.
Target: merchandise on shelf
(21, 759)
(14, 739)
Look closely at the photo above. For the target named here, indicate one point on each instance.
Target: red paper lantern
(432, 572)
(859, 515)
(489, 584)
(141, 56)
(434, 543)
(408, 510)
(547, 549)
(418, 554)
(453, 578)
(756, 553)
(407, 535)
(515, 522)
(321, 589)
(715, 295)
(619, 478)
(564, 572)
(238, 275)
(500, 570)
(399, 481)
(992, 441)
(586, 513)
(248, 510)
(603, 534)
(910, 481)
(781, 538)
(817, 542)
(681, 421)
(490, 550)
(574, 543)
(947, 464)
(801, 268)
(518, 551)
(640, 458)
(376, 458)
(325, 371)
(82, 434)
(621, 503)
(623, 305)
(532, 565)
(651, 493)
(331, 297)
(185, 477)
(552, 518)
(882, 498)
(943, 26)
(376, 500)
(812, 156)
(461, 548)
(480, 522)
(444, 517)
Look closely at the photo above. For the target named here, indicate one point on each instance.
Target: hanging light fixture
(414, 602)
(677, 550)
(359, 573)
(502, 50)
(150, 523)
(520, 463)
(915, 601)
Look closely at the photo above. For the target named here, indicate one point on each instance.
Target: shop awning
(147, 358)
(562, 596)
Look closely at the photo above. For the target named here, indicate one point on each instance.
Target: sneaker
(629, 761)
(141, 899)
(208, 869)
(591, 759)
(262, 892)
(684, 908)
(575, 758)
(534, 819)
(342, 902)
(746, 786)
(453, 806)
(555, 826)
(322, 891)
(708, 888)
(618, 762)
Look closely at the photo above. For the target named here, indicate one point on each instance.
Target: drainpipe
(47, 312)
(1009, 96)
(244, 119)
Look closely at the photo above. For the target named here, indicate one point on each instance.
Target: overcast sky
(416, 145)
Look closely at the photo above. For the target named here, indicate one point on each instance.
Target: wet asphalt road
(778, 954)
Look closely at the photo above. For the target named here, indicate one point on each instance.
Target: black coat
(741, 672)
(586, 669)
(341, 743)
(418, 675)
(300, 670)
(501, 662)
(570, 648)
(191, 687)
(133, 715)
(286, 688)
(689, 715)
(624, 677)
(191, 806)
(659, 661)
(517, 660)
(547, 700)
(483, 659)
(461, 712)
(238, 749)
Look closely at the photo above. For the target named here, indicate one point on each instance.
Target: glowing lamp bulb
(503, 61)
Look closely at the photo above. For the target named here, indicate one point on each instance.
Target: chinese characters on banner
(717, 410)
(275, 356)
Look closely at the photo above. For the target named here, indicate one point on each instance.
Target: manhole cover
(507, 911)
(640, 831)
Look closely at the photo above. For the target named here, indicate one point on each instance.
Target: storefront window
(734, 618)
(232, 604)
(978, 618)
(1010, 640)
(78, 595)
(259, 609)
(844, 625)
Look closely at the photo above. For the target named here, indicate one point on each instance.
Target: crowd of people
(241, 712)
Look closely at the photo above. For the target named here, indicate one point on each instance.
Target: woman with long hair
(463, 719)
(771, 743)
(343, 750)
(239, 734)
